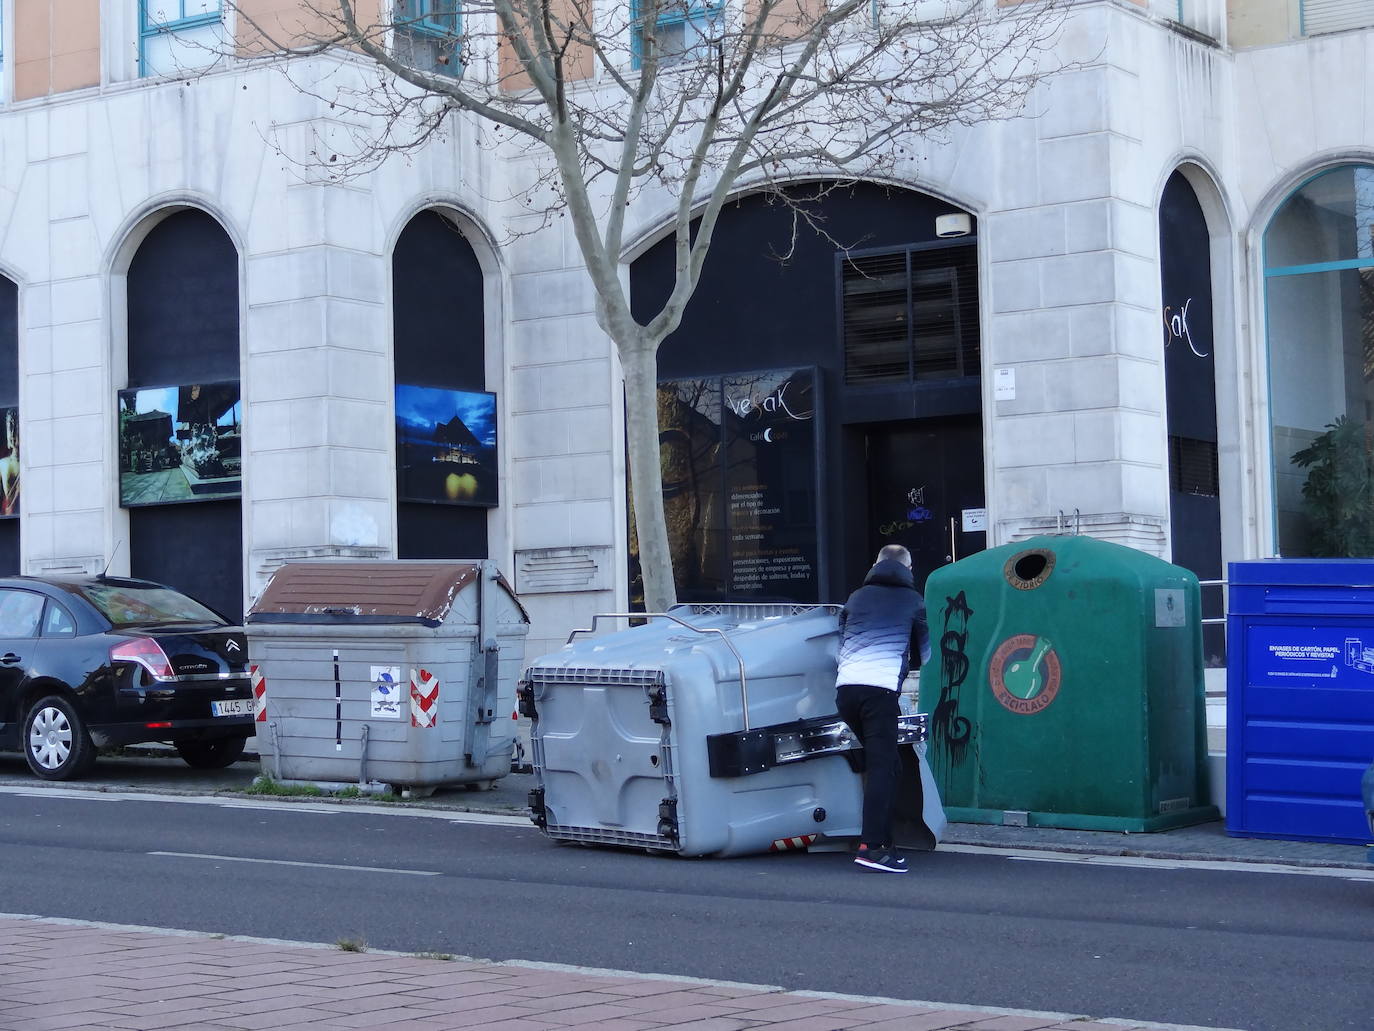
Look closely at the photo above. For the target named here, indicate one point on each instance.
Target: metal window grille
(910, 315)
(1193, 467)
(1320, 16)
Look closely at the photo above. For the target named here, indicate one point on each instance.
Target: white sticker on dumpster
(387, 696)
(1170, 608)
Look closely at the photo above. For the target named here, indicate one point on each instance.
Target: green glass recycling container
(1065, 688)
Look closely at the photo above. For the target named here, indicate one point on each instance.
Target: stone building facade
(1157, 297)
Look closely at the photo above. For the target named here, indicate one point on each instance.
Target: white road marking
(289, 862)
(1147, 862)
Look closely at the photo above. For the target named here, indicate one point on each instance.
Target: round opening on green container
(1027, 570)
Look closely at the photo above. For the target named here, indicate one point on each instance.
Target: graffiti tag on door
(916, 513)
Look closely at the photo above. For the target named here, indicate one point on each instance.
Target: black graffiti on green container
(951, 732)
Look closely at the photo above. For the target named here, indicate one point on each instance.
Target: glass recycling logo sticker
(1025, 673)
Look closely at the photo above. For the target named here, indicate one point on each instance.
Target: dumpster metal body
(400, 672)
(709, 731)
(1066, 688)
(1299, 698)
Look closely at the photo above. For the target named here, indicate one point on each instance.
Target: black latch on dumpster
(658, 704)
(667, 819)
(745, 752)
(524, 694)
(742, 753)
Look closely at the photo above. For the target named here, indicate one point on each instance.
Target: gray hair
(896, 553)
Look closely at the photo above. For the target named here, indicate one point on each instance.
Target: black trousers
(871, 713)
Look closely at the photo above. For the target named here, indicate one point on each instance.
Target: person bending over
(880, 625)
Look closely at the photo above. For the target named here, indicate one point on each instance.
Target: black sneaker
(884, 859)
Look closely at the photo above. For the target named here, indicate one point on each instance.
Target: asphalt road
(1232, 949)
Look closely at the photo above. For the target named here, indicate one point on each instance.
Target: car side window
(20, 612)
(58, 622)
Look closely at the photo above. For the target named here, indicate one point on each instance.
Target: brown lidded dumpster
(398, 672)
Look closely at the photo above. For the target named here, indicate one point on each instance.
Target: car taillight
(145, 652)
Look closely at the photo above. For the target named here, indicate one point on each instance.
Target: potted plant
(1338, 495)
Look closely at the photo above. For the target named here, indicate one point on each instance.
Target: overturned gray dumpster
(397, 673)
(710, 730)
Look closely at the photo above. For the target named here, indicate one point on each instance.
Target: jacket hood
(890, 573)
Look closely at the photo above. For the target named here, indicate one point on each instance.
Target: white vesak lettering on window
(757, 405)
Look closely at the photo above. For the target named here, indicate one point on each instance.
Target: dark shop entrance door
(925, 486)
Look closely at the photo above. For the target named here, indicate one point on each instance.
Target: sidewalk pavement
(59, 975)
(1208, 841)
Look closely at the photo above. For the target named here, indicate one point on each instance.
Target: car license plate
(232, 707)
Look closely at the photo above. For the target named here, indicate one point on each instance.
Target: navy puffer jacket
(881, 623)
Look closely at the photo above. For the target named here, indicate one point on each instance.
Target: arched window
(1185, 267)
(180, 416)
(445, 417)
(1319, 299)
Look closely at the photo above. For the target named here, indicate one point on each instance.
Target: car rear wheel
(56, 742)
(212, 755)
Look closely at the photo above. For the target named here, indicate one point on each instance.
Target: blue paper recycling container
(1299, 698)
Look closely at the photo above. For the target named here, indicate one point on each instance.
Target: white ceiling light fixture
(948, 226)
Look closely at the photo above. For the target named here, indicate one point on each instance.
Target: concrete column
(317, 384)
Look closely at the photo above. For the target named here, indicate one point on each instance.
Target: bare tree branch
(600, 104)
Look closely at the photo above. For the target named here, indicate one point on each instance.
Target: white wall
(1066, 195)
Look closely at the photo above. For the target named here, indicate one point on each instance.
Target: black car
(98, 662)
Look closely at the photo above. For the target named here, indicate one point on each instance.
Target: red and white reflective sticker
(424, 698)
(259, 694)
(788, 844)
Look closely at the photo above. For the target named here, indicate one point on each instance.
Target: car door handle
(10, 659)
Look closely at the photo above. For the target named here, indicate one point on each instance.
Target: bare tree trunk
(790, 89)
(640, 362)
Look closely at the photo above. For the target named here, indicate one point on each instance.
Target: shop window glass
(1319, 297)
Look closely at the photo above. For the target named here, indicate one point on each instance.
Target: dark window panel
(184, 304)
(196, 548)
(439, 329)
(9, 343)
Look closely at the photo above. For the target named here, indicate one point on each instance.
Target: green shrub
(1338, 495)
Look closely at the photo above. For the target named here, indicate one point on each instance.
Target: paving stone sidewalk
(61, 975)
(1208, 841)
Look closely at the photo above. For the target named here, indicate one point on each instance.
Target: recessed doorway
(924, 490)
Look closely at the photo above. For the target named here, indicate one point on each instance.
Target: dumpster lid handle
(739, 659)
